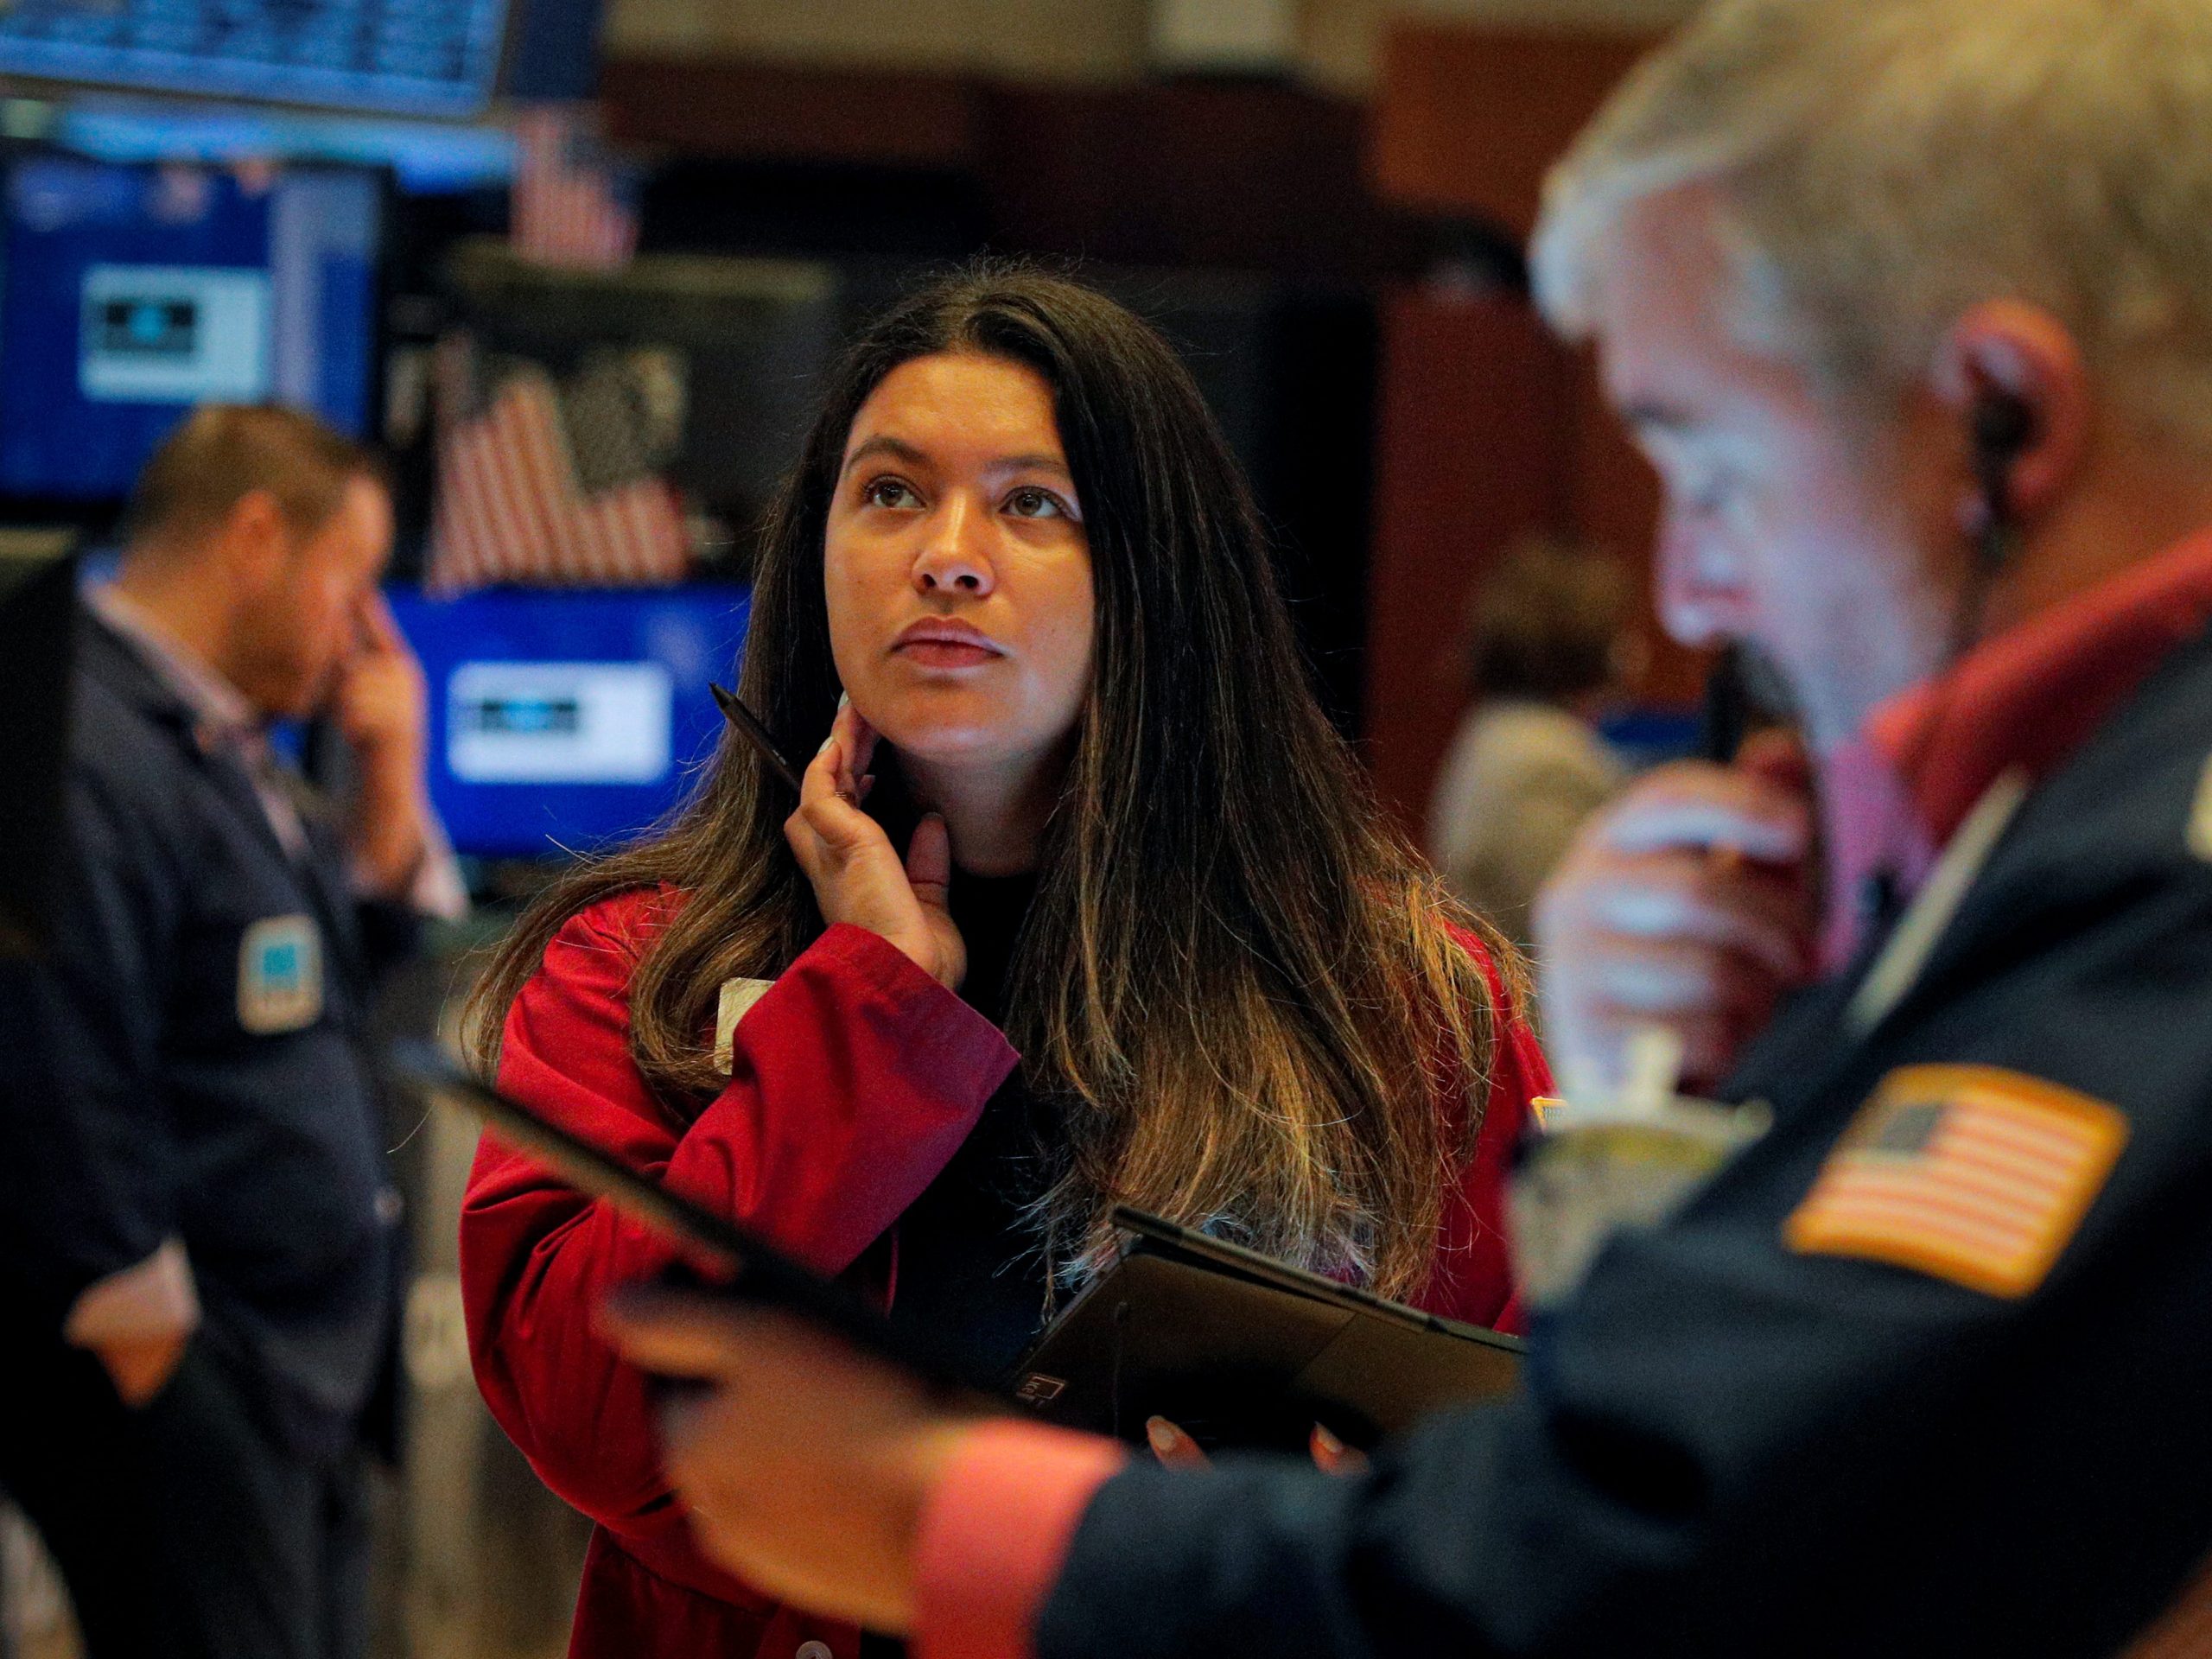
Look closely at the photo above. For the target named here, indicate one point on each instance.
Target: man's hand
(381, 707)
(805, 1464)
(1685, 903)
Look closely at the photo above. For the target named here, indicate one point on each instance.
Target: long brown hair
(1242, 987)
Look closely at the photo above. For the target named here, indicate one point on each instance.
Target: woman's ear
(2018, 387)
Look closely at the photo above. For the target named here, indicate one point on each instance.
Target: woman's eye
(1033, 503)
(889, 493)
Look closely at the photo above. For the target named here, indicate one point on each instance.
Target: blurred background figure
(1547, 641)
(203, 1263)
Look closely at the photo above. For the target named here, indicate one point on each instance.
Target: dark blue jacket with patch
(1726, 1448)
(157, 1081)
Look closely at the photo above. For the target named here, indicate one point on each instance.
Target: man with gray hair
(1911, 301)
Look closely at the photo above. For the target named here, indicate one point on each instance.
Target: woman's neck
(995, 816)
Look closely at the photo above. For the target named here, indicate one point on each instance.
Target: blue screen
(129, 294)
(562, 720)
(410, 57)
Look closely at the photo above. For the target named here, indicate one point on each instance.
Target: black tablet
(1239, 1349)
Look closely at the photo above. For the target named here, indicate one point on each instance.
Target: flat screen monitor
(564, 719)
(409, 57)
(128, 293)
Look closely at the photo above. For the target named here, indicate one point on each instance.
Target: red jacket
(853, 1081)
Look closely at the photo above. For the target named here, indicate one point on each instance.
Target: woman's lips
(940, 642)
(945, 653)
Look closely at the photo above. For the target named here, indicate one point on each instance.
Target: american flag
(511, 507)
(1973, 1174)
(568, 207)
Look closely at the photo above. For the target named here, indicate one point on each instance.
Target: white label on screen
(558, 722)
(174, 334)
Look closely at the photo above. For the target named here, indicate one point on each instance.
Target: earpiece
(2003, 427)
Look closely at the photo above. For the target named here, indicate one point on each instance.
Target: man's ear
(254, 541)
(2008, 349)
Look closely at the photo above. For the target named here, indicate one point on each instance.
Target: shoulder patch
(2199, 832)
(1971, 1173)
(280, 975)
(738, 997)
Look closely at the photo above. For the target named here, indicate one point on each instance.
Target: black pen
(748, 725)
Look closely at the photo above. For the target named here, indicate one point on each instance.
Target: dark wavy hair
(1245, 989)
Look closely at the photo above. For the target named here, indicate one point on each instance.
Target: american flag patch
(1970, 1172)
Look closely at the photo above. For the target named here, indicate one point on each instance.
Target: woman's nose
(954, 557)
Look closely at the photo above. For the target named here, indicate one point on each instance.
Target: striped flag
(509, 506)
(568, 207)
(1970, 1172)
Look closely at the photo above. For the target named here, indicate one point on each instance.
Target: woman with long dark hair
(1082, 903)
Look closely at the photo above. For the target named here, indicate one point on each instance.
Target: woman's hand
(857, 876)
(1175, 1449)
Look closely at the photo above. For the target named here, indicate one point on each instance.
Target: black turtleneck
(970, 1269)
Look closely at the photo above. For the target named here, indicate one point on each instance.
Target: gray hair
(1881, 166)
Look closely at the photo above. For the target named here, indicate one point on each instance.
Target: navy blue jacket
(135, 1101)
(1727, 1448)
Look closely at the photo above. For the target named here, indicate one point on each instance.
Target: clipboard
(1238, 1348)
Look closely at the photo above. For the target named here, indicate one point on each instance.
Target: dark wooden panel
(1471, 450)
(782, 112)
(1237, 175)
(1468, 120)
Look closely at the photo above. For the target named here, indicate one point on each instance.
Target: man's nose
(956, 557)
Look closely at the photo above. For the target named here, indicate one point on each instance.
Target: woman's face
(957, 573)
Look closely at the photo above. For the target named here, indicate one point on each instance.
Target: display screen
(562, 719)
(129, 294)
(413, 57)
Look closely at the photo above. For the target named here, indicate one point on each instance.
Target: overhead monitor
(563, 719)
(407, 57)
(129, 294)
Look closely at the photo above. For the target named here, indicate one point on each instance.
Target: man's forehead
(1670, 362)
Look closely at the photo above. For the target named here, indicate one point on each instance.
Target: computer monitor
(406, 57)
(564, 719)
(128, 293)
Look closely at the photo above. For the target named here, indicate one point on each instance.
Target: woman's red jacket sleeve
(853, 1081)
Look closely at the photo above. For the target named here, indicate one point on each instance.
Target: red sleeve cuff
(996, 1529)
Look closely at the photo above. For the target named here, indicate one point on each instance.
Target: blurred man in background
(1911, 302)
(200, 1260)
(1546, 638)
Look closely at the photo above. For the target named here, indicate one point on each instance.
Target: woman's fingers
(829, 798)
(1331, 1455)
(1174, 1449)
(929, 861)
(1172, 1445)
(854, 740)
